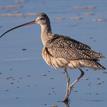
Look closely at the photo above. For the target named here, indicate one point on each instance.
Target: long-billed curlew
(60, 51)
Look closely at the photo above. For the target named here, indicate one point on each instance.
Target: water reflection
(66, 104)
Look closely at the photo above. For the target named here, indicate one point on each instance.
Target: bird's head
(41, 19)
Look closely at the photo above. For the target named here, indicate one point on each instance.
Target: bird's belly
(55, 62)
(75, 64)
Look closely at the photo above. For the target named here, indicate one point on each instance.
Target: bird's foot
(66, 100)
(68, 92)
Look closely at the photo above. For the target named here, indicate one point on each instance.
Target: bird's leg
(68, 89)
(81, 75)
(70, 86)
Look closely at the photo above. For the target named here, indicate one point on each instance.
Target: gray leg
(70, 86)
(68, 89)
(81, 75)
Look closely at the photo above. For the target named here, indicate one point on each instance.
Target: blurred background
(25, 79)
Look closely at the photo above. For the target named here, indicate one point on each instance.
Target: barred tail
(92, 64)
(100, 66)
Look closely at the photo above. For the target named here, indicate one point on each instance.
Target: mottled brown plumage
(69, 52)
(64, 52)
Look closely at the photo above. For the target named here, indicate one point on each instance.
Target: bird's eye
(42, 18)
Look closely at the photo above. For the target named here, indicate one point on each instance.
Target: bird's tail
(93, 55)
(99, 66)
(92, 64)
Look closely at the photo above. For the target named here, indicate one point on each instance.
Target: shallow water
(25, 79)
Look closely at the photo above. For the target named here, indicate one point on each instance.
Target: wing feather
(70, 49)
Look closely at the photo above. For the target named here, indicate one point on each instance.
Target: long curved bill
(28, 23)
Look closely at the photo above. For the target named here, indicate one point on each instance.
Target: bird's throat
(46, 33)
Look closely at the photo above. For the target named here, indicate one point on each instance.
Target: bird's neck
(46, 33)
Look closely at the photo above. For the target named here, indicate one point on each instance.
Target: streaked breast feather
(55, 62)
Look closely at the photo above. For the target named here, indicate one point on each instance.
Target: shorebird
(60, 51)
